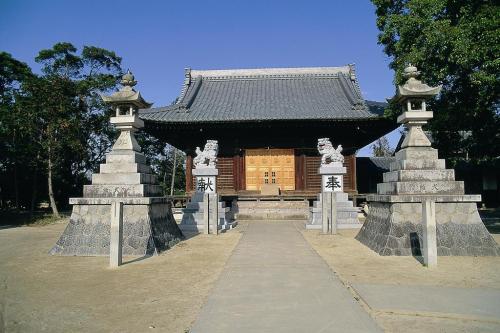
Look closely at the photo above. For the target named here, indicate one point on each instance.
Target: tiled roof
(320, 93)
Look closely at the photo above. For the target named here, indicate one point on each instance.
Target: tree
(15, 133)
(71, 115)
(161, 157)
(381, 148)
(55, 130)
(455, 43)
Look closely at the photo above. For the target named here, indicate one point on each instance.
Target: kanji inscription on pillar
(205, 184)
(333, 183)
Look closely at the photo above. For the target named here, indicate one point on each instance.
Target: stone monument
(148, 224)
(332, 186)
(394, 225)
(204, 211)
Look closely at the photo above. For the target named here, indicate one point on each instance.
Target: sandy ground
(42, 293)
(355, 263)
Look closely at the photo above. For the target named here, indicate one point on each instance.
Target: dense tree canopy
(455, 43)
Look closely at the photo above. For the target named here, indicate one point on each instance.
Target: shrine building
(267, 123)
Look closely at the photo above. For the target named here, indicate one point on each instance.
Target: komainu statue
(328, 153)
(207, 158)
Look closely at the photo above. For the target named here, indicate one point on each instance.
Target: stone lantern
(419, 208)
(126, 103)
(123, 211)
(412, 96)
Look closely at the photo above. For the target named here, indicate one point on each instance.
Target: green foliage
(161, 159)
(455, 43)
(381, 148)
(58, 122)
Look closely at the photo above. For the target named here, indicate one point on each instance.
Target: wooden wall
(232, 173)
(225, 180)
(313, 179)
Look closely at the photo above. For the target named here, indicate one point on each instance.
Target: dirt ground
(355, 263)
(43, 293)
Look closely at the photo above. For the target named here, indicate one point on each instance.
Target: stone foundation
(271, 210)
(347, 214)
(390, 229)
(148, 228)
(192, 217)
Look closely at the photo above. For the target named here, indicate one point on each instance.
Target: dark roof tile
(329, 93)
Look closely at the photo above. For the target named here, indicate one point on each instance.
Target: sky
(158, 39)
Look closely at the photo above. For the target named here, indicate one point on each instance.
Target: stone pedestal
(194, 218)
(397, 224)
(145, 221)
(332, 181)
(394, 225)
(148, 224)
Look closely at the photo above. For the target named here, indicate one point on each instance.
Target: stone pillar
(206, 184)
(332, 180)
(205, 213)
(206, 180)
(334, 214)
(116, 234)
(213, 213)
(429, 233)
(326, 200)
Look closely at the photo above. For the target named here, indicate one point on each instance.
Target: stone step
(274, 210)
(419, 175)
(272, 204)
(117, 156)
(317, 204)
(421, 187)
(123, 178)
(340, 196)
(417, 153)
(340, 213)
(199, 205)
(122, 191)
(192, 209)
(272, 214)
(124, 167)
(421, 164)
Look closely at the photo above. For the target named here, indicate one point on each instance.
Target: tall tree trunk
(173, 173)
(16, 187)
(16, 183)
(34, 193)
(51, 192)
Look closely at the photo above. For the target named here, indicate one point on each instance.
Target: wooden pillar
(243, 185)
(189, 173)
(300, 167)
(354, 177)
(236, 173)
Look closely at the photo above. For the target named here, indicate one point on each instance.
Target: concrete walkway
(275, 282)
(470, 303)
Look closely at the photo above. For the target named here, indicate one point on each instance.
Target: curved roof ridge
(264, 72)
